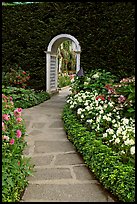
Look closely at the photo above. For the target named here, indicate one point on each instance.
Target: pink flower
(124, 80)
(11, 98)
(3, 126)
(12, 141)
(6, 117)
(6, 138)
(19, 120)
(18, 133)
(3, 96)
(17, 112)
(121, 99)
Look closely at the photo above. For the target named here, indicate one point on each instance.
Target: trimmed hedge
(105, 31)
(115, 176)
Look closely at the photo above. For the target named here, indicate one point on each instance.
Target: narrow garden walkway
(60, 174)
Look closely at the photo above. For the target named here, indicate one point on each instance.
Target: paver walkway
(60, 173)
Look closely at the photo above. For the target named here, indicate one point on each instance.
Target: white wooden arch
(52, 60)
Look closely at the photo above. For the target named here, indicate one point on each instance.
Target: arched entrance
(52, 60)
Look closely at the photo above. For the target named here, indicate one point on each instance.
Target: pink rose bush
(13, 144)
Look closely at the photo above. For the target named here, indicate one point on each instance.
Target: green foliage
(105, 31)
(15, 166)
(95, 80)
(117, 177)
(25, 98)
(63, 80)
(16, 77)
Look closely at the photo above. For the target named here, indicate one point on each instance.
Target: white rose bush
(104, 113)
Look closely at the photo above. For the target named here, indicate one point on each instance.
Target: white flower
(125, 121)
(105, 135)
(119, 131)
(87, 108)
(117, 140)
(125, 137)
(122, 152)
(105, 106)
(82, 116)
(86, 103)
(108, 119)
(110, 131)
(113, 121)
(104, 117)
(79, 111)
(109, 114)
(132, 150)
(95, 76)
(72, 106)
(101, 112)
(115, 125)
(110, 104)
(129, 142)
(88, 79)
(86, 83)
(114, 136)
(79, 99)
(89, 121)
(132, 142)
(98, 119)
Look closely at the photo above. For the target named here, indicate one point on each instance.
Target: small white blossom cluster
(95, 76)
(98, 114)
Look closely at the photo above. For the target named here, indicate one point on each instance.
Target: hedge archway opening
(52, 60)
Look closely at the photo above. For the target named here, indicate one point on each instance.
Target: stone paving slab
(68, 192)
(51, 173)
(42, 160)
(52, 146)
(68, 159)
(83, 173)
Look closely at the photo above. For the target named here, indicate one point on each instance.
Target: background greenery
(105, 31)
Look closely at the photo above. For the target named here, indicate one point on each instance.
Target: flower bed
(25, 98)
(15, 167)
(102, 126)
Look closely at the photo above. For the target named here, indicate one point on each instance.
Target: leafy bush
(25, 98)
(105, 163)
(15, 167)
(63, 80)
(16, 77)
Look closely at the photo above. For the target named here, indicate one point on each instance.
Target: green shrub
(25, 98)
(63, 81)
(16, 77)
(117, 177)
(15, 166)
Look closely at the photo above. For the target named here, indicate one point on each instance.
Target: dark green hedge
(115, 176)
(105, 31)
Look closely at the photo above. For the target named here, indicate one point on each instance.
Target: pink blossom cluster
(121, 99)
(17, 112)
(6, 117)
(127, 80)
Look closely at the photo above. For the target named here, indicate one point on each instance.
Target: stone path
(60, 174)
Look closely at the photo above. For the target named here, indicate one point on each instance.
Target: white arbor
(52, 60)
